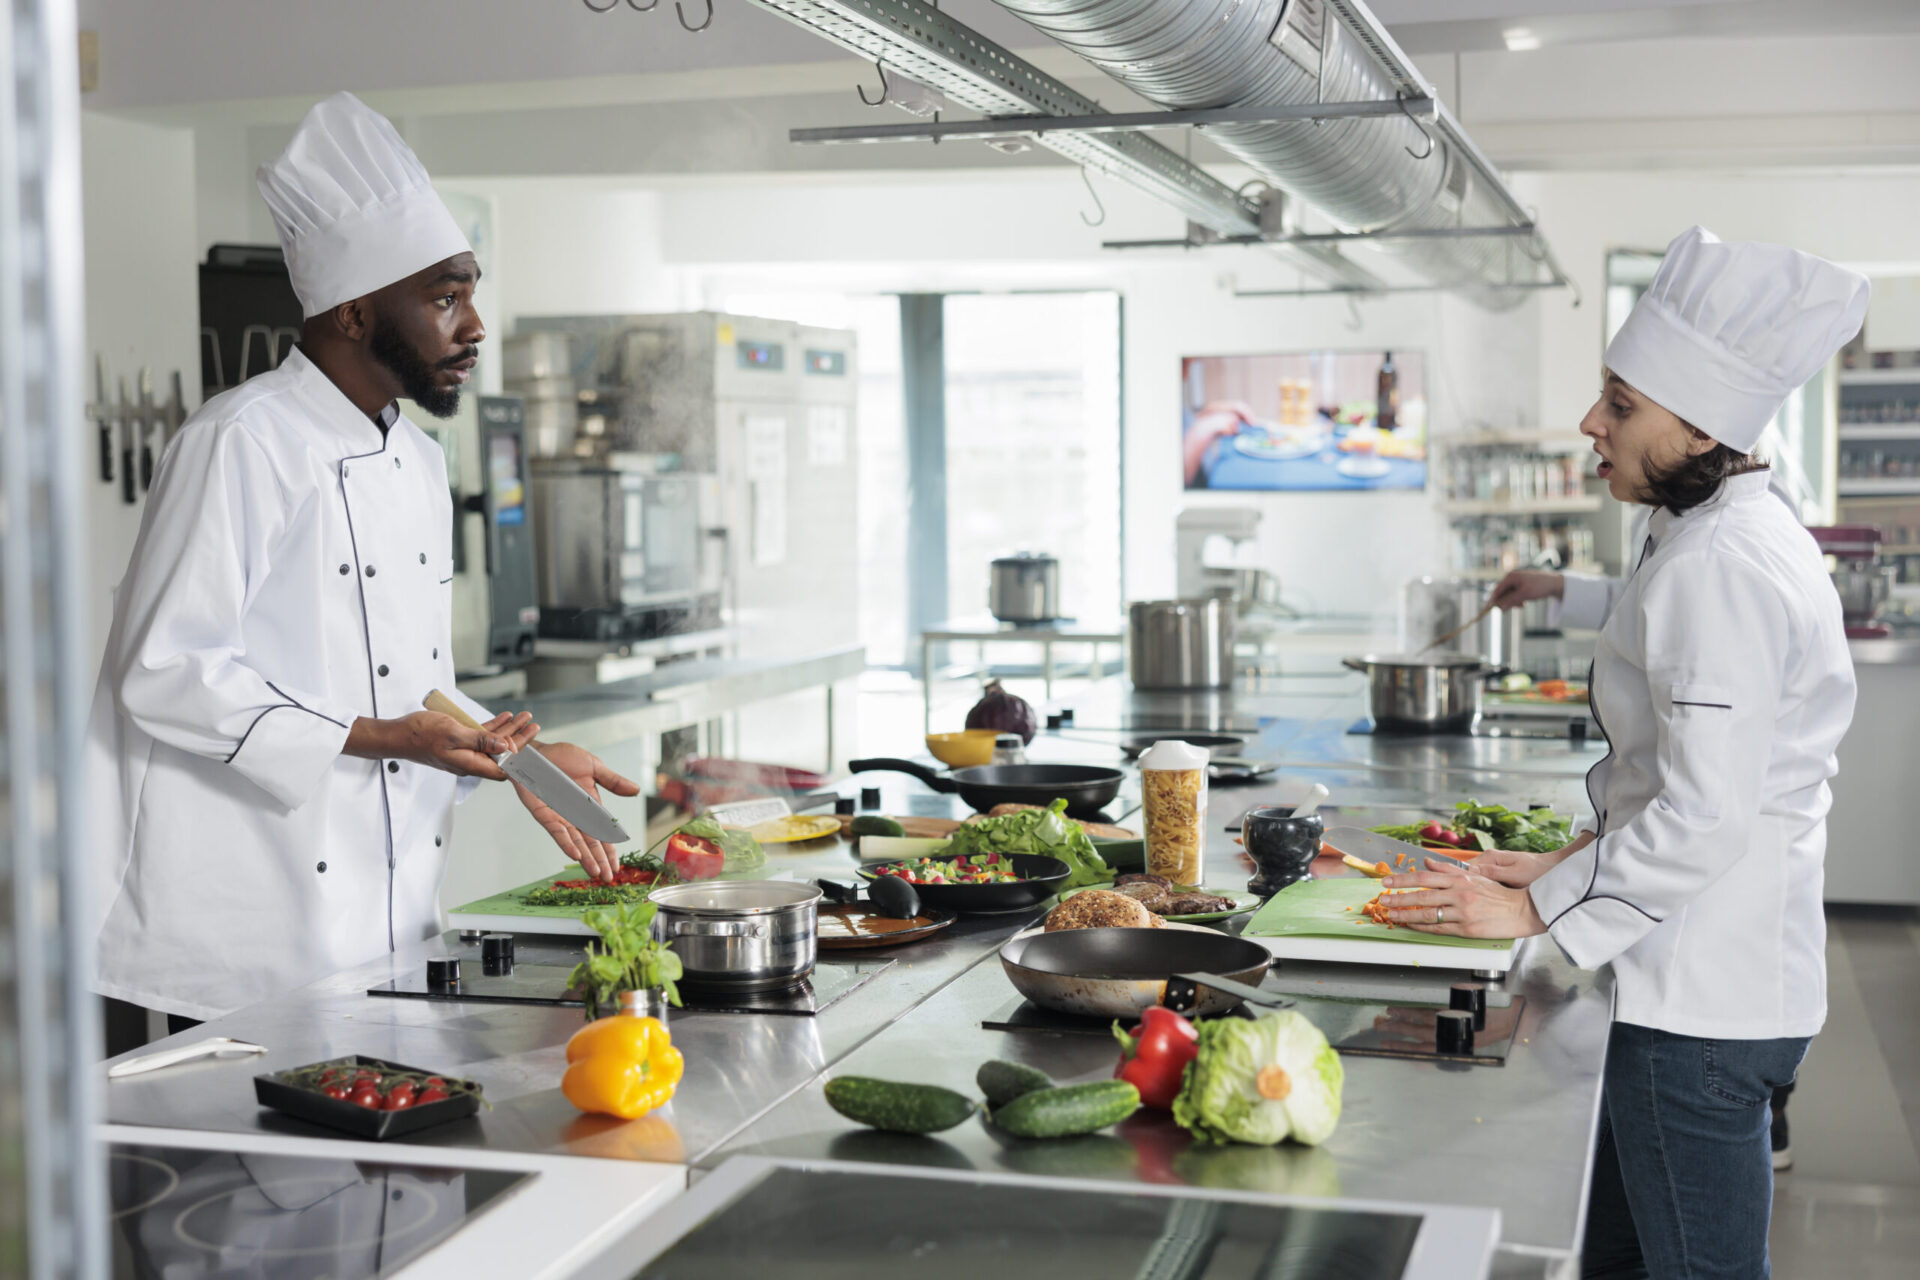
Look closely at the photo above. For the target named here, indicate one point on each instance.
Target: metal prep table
(982, 632)
(1517, 1137)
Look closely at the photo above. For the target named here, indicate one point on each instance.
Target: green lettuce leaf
(1221, 1101)
(1048, 832)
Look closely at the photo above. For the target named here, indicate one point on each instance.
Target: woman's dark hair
(1697, 477)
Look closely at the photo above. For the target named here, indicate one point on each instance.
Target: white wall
(143, 307)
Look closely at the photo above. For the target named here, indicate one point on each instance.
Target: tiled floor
(1850, 1207)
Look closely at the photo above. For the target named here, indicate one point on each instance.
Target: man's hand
(1523, 585)
(597, 859)
(1462, 906)
(441, 742)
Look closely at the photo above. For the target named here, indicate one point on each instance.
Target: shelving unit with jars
(1517, 499)
(1879, 460)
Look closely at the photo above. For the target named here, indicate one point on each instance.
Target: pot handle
(1183, 992)
(883, 764)
(1494, 673)
(720, 928)
(1354, 664)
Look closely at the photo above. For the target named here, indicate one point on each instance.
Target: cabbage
(1261, 1080)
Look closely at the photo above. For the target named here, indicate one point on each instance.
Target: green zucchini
(873, 824)
(898, 1107)
(1003, 1081)
(1077, 1108)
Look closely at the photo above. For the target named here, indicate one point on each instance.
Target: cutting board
(1322, 920)
(509, 912)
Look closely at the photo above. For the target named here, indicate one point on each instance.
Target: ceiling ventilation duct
(1383, 175)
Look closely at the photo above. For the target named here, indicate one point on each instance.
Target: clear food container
(1173, 777)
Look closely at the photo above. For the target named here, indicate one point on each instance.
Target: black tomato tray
(336, 1113)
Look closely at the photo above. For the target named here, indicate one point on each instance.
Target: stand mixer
(1863, 582)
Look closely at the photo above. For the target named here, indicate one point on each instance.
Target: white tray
(1398, 954)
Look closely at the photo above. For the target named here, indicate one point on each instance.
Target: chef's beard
(418, 378)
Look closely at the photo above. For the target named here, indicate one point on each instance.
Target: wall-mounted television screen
(1305, 420)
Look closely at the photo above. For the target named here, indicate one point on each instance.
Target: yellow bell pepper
(621, 1066)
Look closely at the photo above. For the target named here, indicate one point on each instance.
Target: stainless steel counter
(1517, 1137)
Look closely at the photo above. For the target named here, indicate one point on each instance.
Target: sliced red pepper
(694, 857)
(1154, 1058)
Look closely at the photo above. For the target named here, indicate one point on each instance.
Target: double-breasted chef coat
(293, 571)
(1723, 684)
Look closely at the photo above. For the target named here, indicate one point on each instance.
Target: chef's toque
(1727, 331)
(353, 206)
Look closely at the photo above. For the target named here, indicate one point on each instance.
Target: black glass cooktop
(178, 1211)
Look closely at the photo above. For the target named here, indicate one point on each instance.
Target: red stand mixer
(1863, 582)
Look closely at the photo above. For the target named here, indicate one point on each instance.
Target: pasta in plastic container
(1173, 777)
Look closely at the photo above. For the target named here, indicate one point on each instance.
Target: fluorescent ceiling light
(1520, 40)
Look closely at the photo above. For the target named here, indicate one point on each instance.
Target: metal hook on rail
(862, 89)
(603, 8)
(640, 8)
(1092, 222)
(1354, 323)
(1417, 155)
(680, 11)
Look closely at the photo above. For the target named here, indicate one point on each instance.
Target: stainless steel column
(923, 368)
(49, 1018)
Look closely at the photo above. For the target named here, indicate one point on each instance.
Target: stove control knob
(1453, 1032)
(443, 971)
(1472, 997)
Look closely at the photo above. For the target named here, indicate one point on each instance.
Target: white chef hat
(353, 206)
(1727, 331)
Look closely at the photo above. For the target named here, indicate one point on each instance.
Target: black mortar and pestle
(1283, 842)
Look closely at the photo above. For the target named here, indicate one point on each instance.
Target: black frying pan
(1086, 788)
(1041, 878)
(1115, 973)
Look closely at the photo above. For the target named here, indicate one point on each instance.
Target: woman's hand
(598, 859)
(1462, 906)
(1518, 870)
(1523, 585)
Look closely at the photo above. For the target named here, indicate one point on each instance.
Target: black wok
(1085, 788)
(1115, 973)
(1040, 878)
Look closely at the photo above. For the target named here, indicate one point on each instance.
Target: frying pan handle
(883, 764)
(1183, 992)
(1354, 664)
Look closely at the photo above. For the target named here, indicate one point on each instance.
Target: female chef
(1723, 685)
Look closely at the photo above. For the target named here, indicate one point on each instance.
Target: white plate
(1363, 468)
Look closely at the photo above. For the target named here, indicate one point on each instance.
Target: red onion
(1004, 712)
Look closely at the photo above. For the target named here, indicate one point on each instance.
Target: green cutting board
(1331, 909)
(513, 902)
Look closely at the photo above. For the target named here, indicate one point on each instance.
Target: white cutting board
(1397, 953)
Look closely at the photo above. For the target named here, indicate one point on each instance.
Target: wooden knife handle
(438, 701)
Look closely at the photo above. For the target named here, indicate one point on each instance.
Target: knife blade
(1371, 846)
(545, 779)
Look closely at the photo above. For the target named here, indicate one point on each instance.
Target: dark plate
(1041, 878)
(930, 923)
(272, 1090)
(1134, 748)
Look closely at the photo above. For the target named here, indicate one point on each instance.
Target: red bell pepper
(694, 857)
(1154, 1058)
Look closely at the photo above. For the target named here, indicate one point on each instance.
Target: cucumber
(1077, 1108)
(897, 1107)
(872, 824)
(1003, 1081)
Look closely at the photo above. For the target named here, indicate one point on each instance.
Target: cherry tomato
(336, 1091)
(430, 1095)
(399, 1098)
(368, 1097)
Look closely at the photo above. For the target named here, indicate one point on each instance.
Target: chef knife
(149, 418)
(545, 779)
(103, 416)
(1371, 846)
(129, 494)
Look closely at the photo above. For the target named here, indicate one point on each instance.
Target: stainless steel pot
(1180, 644)
(1436, 693)
(743, 935)
(1024, 588)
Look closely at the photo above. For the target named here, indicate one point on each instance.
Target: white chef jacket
(292, 572)
(1723, 684)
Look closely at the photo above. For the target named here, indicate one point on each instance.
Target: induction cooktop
(185, 1211)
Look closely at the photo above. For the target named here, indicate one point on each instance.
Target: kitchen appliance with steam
(495, 612)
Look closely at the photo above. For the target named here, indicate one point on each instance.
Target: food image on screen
(1353, 420)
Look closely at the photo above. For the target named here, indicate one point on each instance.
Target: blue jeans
(1683, 1178)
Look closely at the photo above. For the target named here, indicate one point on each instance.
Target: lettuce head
(1262, 1080)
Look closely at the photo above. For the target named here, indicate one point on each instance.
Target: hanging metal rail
(1115, 122)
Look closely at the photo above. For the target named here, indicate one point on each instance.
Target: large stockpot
(743, 935)
(1024, 588)
(1423, 693)
(1180, 644)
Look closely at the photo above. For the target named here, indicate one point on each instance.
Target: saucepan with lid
(740, 935)
(1430, 692)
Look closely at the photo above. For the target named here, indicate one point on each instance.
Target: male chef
(276, 802)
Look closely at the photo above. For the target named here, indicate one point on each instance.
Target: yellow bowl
(963, 750)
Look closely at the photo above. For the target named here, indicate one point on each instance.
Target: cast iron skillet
(1041, 878)
(1115, 973)
(1086, 788)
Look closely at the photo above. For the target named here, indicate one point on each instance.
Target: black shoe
(1782, 1153)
